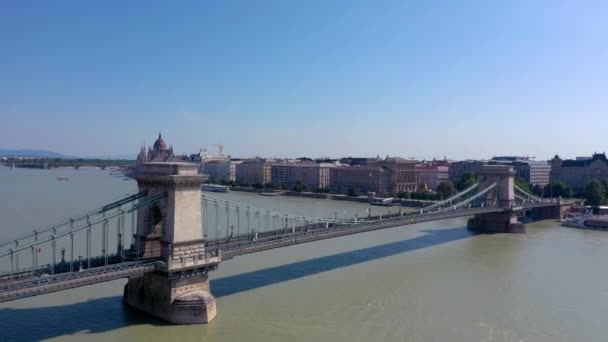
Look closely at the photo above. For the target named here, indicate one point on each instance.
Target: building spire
(159, 135)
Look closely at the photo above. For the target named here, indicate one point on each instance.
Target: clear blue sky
(466, 79)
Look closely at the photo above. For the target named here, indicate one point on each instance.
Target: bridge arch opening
(156, 217)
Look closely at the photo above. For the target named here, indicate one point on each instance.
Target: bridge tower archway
(504, 177)
(497, 222)
(172, 230)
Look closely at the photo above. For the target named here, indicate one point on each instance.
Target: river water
(425, 282)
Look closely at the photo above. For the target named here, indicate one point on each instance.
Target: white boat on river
(587, 221)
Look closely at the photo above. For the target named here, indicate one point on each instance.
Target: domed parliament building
(159, 152)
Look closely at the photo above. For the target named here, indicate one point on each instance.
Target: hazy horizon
(466, 80)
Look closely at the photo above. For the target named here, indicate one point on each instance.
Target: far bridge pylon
(503, 177)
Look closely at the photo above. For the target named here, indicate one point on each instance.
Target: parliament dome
(159, 144)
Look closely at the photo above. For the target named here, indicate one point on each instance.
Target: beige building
(362, 178)
(254, 171)
(387, 176)
(314, 176)
(429, 176)
(402, 174)
(220, 170)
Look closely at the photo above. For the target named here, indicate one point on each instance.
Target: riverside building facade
(254, 171)
(580, 171)
(313, 176)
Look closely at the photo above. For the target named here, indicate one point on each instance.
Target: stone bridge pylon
(504, 196)
(178, 289)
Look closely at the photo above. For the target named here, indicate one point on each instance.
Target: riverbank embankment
(336, 197)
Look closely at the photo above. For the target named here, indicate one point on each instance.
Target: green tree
(272, 186)
(566, 190)
(466, 181)
(425, 195)
(522, 184)
(538, 190)
(446, 189)
(299, 187)
(558, 189)
(403, 194)
(353, 192)
(594, 194)
(605, 187)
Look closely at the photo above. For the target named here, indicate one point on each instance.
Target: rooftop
(585, 162)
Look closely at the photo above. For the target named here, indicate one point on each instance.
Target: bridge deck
(270, 240)
(230, 248)
(40, 285)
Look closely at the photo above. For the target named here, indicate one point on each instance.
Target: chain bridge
(167, 237)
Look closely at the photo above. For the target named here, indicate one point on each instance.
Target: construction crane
(221, 148)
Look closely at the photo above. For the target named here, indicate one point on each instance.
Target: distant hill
(33, 153)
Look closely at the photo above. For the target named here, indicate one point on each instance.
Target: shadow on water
(256, 279)
(100, 315)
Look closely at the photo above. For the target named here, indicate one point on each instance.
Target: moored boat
(595, 222)
(381, 201)
(272, 193)
(215, 188)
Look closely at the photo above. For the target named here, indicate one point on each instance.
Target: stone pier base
(504, 222)
(175, 299)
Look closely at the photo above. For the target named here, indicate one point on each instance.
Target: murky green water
(426, 282)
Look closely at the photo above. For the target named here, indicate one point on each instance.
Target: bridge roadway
(229, 248)
(63, 281)
(245, 244)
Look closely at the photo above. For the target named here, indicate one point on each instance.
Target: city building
(534, 172)
(361, 178)
(312, 175)
(396, 175)
(459, 168)
(352, 161)
(233, 165)
(580, 171)
(402, 175)
(202, 158)
(218, 170)
(430, 175)
(254, 171)
(442, 162)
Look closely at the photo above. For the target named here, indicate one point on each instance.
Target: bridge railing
(525, 197)
(80, 239)
(231, 222)
(66, 224)
(452, 199)
(225, 219)
(273, 239)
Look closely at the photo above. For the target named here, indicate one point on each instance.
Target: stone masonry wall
(184, 254)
